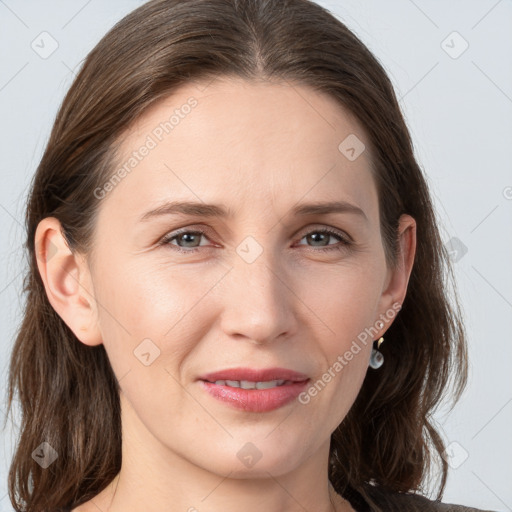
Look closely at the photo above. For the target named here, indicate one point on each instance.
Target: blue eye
(187, 236)
(327, 234)
(192, 237)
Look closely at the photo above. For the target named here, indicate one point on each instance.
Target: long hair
(68, 394)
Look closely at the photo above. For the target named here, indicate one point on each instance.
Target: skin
(259, 148)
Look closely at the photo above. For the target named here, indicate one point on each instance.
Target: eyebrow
(216, 210)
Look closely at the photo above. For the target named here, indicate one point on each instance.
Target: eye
(325, 235)
(188, 241)
(189, 238)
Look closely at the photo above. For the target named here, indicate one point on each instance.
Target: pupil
(316, 235)
(187, 237)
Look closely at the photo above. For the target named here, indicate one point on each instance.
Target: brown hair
(388, 441)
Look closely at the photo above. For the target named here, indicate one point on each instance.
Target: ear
(397, 279)
(67, 281)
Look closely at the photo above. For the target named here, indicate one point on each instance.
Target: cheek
(345, 310)
(147, 333)
(151, 308)
(345, 301)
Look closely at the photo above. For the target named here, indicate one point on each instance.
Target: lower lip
(256, 400)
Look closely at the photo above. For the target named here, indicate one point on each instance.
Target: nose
(258, 303)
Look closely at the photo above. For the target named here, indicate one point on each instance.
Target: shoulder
(417, 502)
(373, 497)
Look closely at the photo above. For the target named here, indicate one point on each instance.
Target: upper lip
(255, 375)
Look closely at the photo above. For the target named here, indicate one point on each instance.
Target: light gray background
(458, 106)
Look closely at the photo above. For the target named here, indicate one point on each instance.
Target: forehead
(250, 145)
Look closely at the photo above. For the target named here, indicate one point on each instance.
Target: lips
(255, 375)
(285, 386)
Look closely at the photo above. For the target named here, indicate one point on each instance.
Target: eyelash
(172, 236)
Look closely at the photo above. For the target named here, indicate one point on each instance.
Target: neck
(154, 478)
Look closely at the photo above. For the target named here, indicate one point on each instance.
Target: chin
(253, 458)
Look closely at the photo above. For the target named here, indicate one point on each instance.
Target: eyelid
(345, 239)
(166, 239)
(323, 227)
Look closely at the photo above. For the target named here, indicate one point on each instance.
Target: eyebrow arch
(187, 208)
(321, 208)
(215, 210)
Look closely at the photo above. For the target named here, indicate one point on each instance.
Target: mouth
(247, 384)
(245, 375)
(252, 390)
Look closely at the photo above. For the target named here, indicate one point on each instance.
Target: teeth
(269, 384)
(245, 384)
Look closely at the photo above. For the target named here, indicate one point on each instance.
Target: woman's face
(261, 287)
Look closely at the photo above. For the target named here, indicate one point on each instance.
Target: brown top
(401, 502)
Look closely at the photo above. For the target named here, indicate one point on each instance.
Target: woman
(236, 295)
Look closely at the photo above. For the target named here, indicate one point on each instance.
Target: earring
(377, 359)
